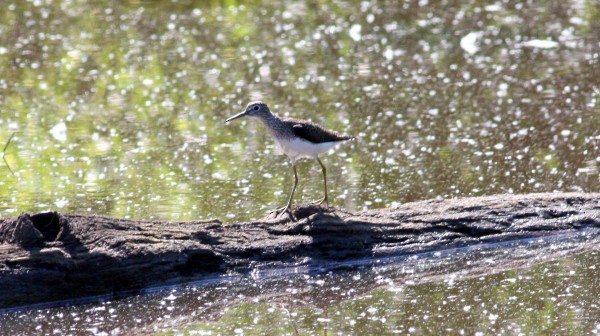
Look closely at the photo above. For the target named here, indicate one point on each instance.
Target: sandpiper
(297, 139)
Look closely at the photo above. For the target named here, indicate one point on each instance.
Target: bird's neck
(274, 124)
(271, 121)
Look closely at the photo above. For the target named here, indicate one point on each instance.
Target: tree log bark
(53, 256)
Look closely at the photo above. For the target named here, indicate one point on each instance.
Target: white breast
(298, 148)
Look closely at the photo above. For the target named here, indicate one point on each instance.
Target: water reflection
(514, 287)
(119, 106)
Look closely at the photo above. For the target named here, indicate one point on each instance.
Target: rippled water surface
(117, 109)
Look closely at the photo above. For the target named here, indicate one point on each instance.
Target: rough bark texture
(52, 256)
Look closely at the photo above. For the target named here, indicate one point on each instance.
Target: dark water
(118, 106)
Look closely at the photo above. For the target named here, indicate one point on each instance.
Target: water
(118, 108)
(120, 111)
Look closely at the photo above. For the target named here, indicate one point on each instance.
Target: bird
(297, 139)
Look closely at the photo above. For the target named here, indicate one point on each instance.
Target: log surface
(53, 256)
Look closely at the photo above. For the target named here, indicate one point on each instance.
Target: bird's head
(254, 109)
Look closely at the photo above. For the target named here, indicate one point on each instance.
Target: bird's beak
(239, 115)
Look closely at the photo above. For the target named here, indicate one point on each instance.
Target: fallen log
(52, 256)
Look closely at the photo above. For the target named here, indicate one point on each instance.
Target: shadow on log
(52, 256)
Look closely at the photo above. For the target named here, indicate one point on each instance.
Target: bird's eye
(256, 108)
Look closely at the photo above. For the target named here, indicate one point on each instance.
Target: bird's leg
(289, 203)
(324, 199)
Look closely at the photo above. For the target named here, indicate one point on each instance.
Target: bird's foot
(279, 212)
(320, 201)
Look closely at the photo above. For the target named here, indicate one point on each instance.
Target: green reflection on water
(556, 297)
(119, 105)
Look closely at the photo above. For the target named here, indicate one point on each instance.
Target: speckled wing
(316, 134)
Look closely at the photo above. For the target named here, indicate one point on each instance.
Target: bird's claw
(280, 211)
(320, 201)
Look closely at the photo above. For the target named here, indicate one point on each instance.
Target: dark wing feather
(314, 133)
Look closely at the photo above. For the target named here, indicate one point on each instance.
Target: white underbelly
(298, 148)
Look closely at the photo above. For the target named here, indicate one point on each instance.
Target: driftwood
(52, 256)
